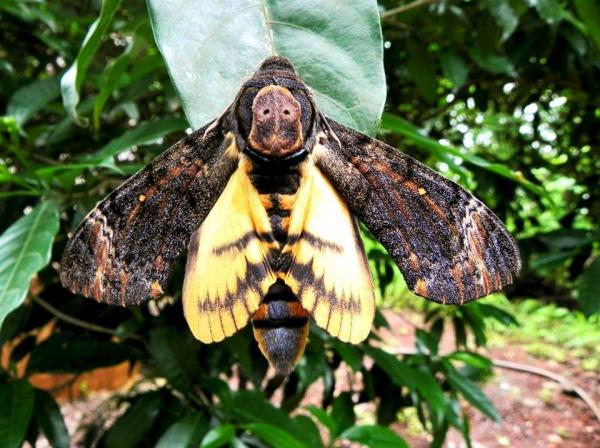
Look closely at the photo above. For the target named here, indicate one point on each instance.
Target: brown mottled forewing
(449, 246)
(124, 250)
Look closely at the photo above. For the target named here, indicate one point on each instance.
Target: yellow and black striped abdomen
(281, 323)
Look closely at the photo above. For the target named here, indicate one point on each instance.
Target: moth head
(276, 129)
(274, 113)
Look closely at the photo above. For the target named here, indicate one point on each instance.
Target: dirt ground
(535, 410)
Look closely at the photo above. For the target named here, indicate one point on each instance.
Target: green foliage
(17, 398)
(26, 249)
(503, 99)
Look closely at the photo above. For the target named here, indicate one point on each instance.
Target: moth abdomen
(281, 328)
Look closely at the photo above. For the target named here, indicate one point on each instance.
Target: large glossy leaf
(211, 46)
(25, 249)
(72, 80)
(16, 409)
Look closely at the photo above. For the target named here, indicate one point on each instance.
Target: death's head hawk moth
(265, 199)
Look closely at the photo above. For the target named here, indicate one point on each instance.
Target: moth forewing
(449, 246)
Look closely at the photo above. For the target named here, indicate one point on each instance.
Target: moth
(265, 198)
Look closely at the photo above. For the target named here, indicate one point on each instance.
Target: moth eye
(266, 112)
(286, 112)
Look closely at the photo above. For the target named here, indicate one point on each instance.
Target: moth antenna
(212, 126)
(215, 123)
(328, 130)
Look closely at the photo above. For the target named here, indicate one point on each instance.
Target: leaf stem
(403, 8)
(78, 322)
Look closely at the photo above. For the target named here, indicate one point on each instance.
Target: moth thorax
(281, 328)
(276, 127)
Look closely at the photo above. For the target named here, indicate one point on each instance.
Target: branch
(403, 8)
(567, 385)
(78, 322)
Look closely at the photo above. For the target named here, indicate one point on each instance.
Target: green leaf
(342, 412)
(492, 62)
(185, 433)
(250, 406)
(72, 80)
(26, 249)
(337, 49)
(16, 411)
(589, 12)
(550, 10)
(588, 288)
(50, 420)
(421, 68)
(454, 68)
(131, 429)
(498, 314)
(472, 359)
(323, 417)
(415, 380)
(74, 353)
(473, 394)
(29, 99)
(273, 435)
(351, 354)
(218, 436)
(504, 15)
(175, 359)
(114, 71)
(398, 371)
(374, 436)
(144, 133)
(402, 127)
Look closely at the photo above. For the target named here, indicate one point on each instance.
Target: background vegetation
(500, 95)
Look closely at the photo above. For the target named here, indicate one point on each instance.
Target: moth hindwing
(265, 198)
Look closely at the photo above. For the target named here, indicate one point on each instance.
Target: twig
(567, 385)
(78, 322)
(403, 8)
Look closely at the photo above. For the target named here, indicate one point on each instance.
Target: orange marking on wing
(457, 276)
(414, 261)
(155, 289)
(123, 280)
(421, 287)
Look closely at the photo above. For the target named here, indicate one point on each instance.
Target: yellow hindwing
(227, 274)
(329, 272)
